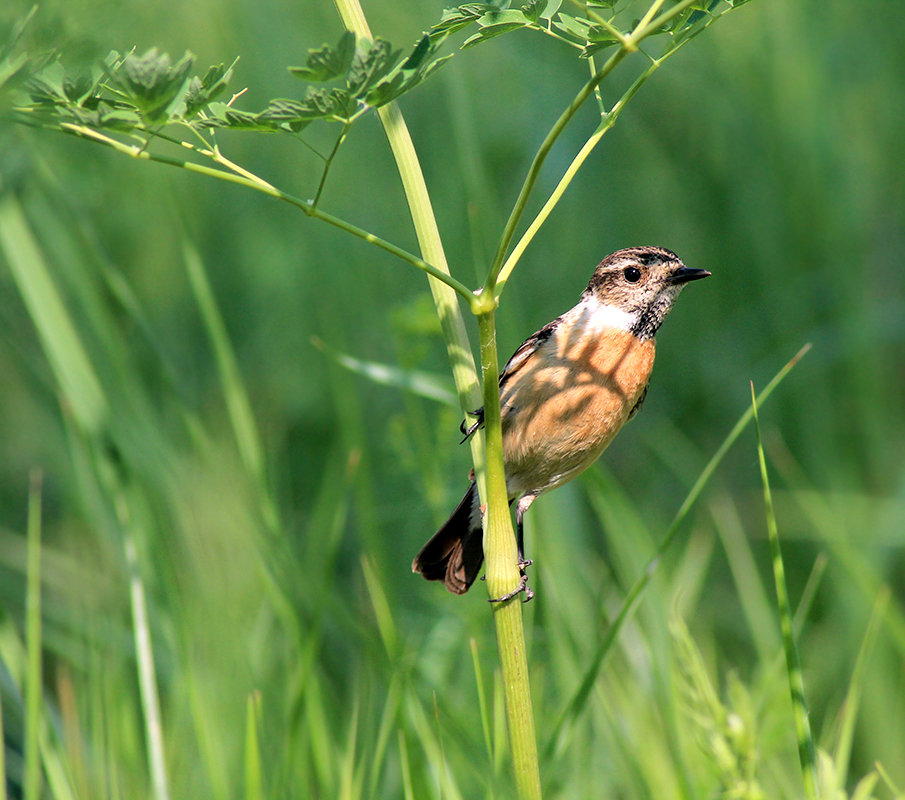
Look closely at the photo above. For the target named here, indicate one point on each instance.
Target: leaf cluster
(124, 92)
(144, 92)
(605, 23)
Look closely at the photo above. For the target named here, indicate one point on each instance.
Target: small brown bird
(564, 395)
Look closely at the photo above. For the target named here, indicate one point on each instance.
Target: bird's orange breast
(567, 402)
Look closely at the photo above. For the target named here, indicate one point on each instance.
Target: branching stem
(243, 177)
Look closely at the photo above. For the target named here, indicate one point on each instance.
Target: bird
(565, 393)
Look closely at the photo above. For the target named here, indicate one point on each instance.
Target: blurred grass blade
(432, 747)
(852, 701)
(576, 704)
(4, 779)
(320, 735)
(749, 588)
(482, 700)
(828, 524)
(33, 681)
(235, 395)
(809, 593)
(890, 784)
(389, 720)
(254, 786)
(793, 666)
(424, 384)
(207, 738)
(384, 616)
(350, 777)
(78, 383)
(404, 767)
(144, 654)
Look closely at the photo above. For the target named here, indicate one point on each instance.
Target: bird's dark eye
(632, 274)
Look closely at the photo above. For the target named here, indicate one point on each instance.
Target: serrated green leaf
(372, 62)
(386, 91)
(496, 23)
(326, 63)
(599, 35)
(330, 104)
(597, 39)
(509, 16)
(288, 114)
(77, 86)
(118, 120)
(490, 32)
(202, 91)
(151, 81)
(591, 49)
(533, 9)
(574, 26)
(221, 115)
(454, 19)
(14, 71)
(416, 68)
(551, 9)
(421, 51)
(284, 110)
(45, 92)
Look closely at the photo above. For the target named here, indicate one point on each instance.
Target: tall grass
(275, 497)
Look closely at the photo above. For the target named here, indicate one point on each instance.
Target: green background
(769, 151)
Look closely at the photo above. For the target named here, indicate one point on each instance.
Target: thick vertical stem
(503, 577)
(422, 213)
(499, 540)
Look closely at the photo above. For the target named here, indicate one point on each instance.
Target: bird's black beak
(686, 274)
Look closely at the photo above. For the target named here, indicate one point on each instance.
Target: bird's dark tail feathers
(455, 553)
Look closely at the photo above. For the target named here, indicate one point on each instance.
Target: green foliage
(142, 93)
(128, 93)
(276, 493)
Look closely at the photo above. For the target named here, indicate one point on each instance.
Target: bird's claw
(522, 586)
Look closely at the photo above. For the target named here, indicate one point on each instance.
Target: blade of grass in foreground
(576, 704)
(253, 780)
(793, 666)
(235, 394)
(852, 702)
(3, 777)
(33, 683)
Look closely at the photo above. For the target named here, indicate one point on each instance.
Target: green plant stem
(503, 577)
(426, 229)
(793, 664)
(534, 170)
(548, 207)
(608, 120)
(628, 45)
(499, 540)
(242, 177)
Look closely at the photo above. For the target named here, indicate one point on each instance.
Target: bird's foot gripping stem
(522, 586)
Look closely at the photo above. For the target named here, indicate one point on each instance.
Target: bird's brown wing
(518, 360)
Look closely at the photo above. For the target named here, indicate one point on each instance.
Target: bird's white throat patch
(602, 316)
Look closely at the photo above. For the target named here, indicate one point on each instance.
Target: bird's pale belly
(563, 411)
